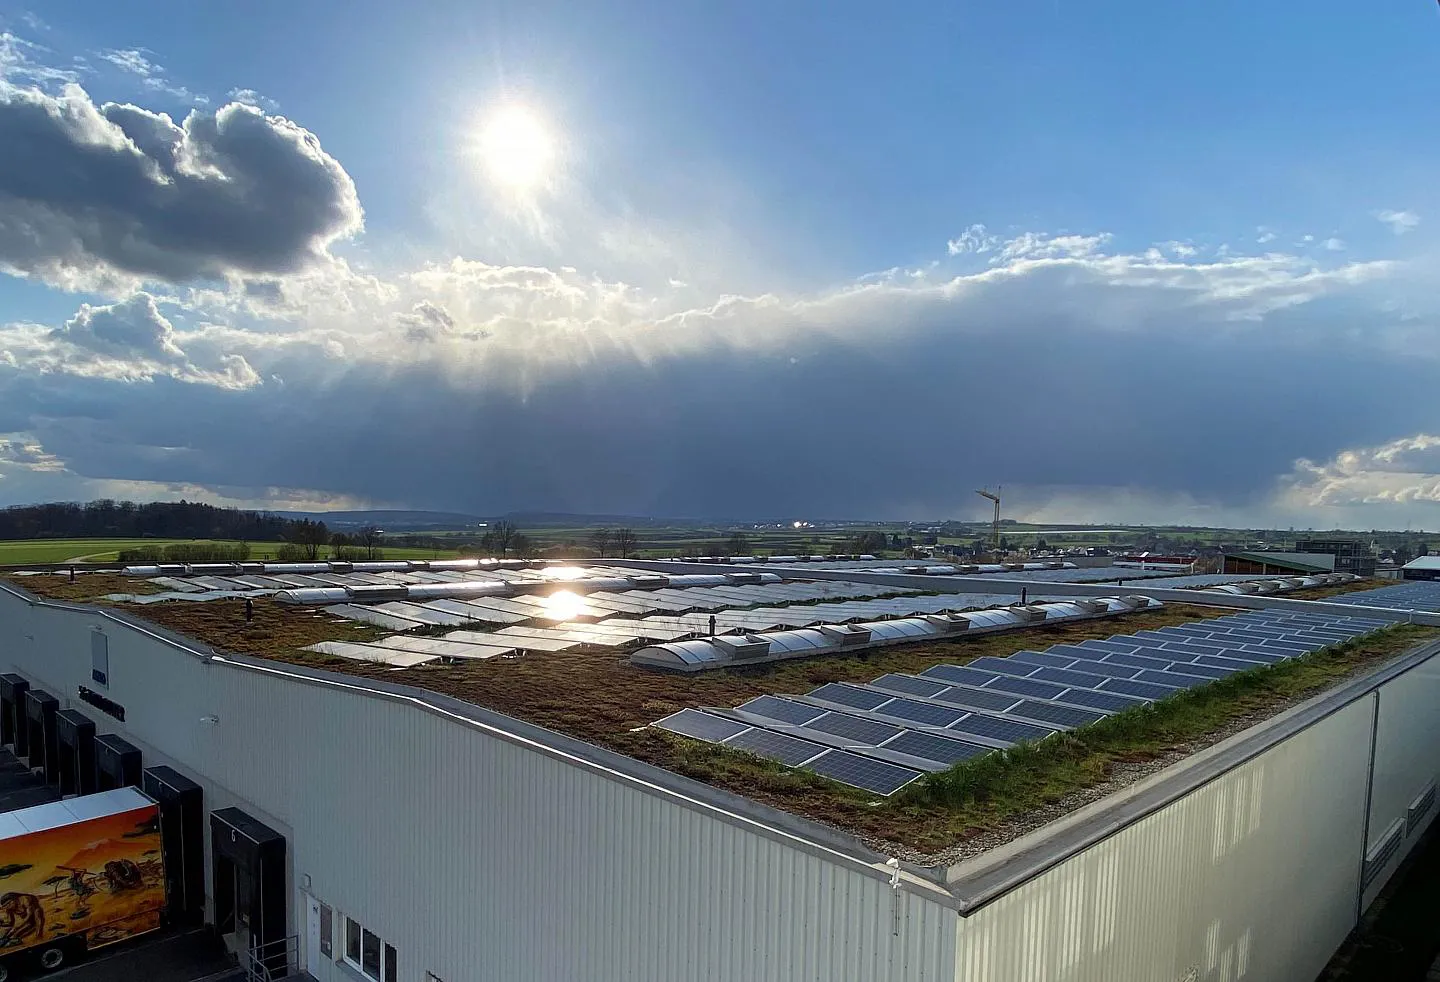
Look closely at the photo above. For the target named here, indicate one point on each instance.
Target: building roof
(594, 693)
(1300, 562)
(1424, 562)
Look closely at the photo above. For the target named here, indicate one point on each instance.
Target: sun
(516, 147)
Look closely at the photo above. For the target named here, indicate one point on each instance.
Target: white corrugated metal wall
(1251, 877)
(481, 859)
(1407, 760)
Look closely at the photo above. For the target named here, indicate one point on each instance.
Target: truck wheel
(52, 958)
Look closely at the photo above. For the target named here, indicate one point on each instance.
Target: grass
(20, 551)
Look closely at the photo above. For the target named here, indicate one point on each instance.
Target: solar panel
(849, 695)
(788, 750)
(866, 731)
(1109, 702)
(1049, 712)
(1002, 665)
(1000, 729)
(921, 712)
(909, 683)
(1131, 687)
(1139, 661)
(1066, 677)
(1113, 646)
(1228, 661)
(1171, 678)
(971, 698)
(938, 748)
(958, 673)
(862, 772)
(1042, 659)
(1191, 649)
(1026, 687)
(1203, 671)
(1106, 669)
(701, 726)
(781, 709)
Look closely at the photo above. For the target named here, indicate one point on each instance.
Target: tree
(370, 538)
(737, 545)
(521, 545)
(1041, 545)
(310, 536)
(600, 541)
(503, 537)
(626, 542)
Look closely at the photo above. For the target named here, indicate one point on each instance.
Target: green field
(108, 550)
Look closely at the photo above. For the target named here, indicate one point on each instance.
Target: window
(367, 953)
(327, 941)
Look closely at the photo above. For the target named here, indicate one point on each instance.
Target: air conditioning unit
(949, 623)
(1091, 606)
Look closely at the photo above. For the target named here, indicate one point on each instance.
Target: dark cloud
(91, 194)
(427, 322)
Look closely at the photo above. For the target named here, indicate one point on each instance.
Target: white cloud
(1265, 236)
(250, 97)
(1181, 250)
(1400, 222)
(18, 65)
(1397, 480)
(975, 239)
(1334, 244)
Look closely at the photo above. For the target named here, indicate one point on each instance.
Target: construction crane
(995, 526)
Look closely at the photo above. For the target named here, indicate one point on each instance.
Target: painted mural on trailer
(103, 878)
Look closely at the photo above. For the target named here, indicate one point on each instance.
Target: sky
(1132, 262)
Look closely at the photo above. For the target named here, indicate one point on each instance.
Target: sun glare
(516, 147)
(563, 605)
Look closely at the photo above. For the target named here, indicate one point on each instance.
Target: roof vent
(1091, 606)
(948, 623)
(742, 646)
(845, 635)
(378, 592)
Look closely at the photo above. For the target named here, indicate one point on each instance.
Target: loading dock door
(40, 738)
(182, 833)
(12, 711)
(248, 872)
(75, 736)
(117, 763)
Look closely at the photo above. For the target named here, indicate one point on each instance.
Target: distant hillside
(392, 520)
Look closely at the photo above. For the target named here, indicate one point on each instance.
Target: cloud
(593, 395)
(128, 341)
(1333, 244)
(106, 197)
(132, 328)
(131, 60)
(250, 97)
(1400, 222)
(1395, 480)
(974, 239)
(1265, 236)
(1182, 250)
(19, 451)
(18, 65)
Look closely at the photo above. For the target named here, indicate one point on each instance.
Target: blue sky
(1036, 243)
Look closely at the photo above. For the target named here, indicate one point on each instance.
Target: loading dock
(75, 743)
(248, 877)
(40, 738)
(117, 763)
(182, 833)
(12, 710)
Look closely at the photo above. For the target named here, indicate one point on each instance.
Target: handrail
(271, 961)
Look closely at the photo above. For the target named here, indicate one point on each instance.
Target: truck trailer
(76, 875)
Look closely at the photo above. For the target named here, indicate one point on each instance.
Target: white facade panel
(479, 857)
(1253, 876)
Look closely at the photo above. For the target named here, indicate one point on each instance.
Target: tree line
(128, 520)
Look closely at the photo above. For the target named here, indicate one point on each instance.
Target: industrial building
(1421, 568)
(1352, 555)
(1266, 563)
(438, 801)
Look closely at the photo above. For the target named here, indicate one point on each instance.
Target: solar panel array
(906, 725)
(1410, 595)
(843, 624)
